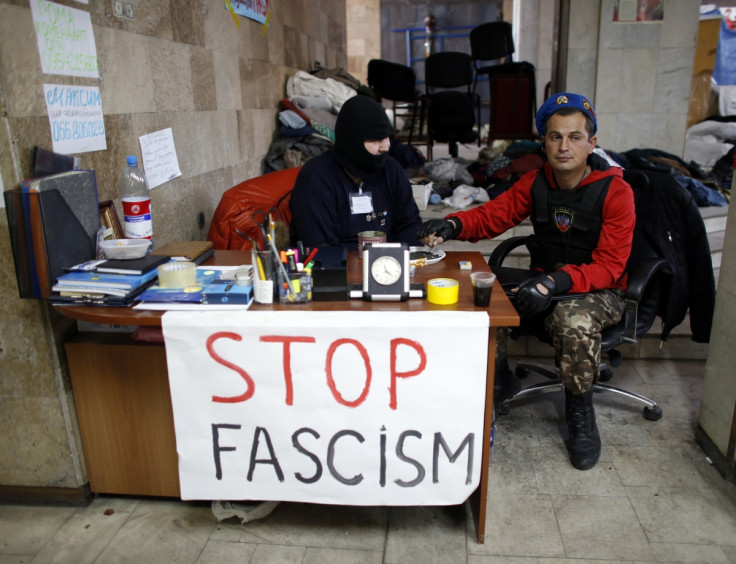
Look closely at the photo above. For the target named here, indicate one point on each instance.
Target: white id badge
(361, 203)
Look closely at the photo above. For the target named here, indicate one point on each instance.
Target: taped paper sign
(66, 43)
(354, 408)
(254, 9)
(159, 157)
(75, 117)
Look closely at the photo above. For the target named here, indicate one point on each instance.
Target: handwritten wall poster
(354, 408)
(75, 117)
(254, 9)
(159, 157)
(629, 11)
(66, 43)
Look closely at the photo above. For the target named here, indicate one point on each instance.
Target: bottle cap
(132, 160)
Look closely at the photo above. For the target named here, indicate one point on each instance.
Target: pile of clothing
(498, 167)
(308, 115)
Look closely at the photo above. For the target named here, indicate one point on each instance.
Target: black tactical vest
(567, 223)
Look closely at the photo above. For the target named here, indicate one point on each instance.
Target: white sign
(254, 9)
(159, 157)
(354, 408)
(75, 117)
(66, 43)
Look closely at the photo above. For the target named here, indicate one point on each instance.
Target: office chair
(397, 83)
(451, 102)
(648, 277)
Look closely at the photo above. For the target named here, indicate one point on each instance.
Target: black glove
(528, 297)
(440, 227)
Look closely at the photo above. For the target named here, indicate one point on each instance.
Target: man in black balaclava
(356, 186)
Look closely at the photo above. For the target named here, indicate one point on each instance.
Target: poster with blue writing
(254, 9)
(75, 118)
(66, 43)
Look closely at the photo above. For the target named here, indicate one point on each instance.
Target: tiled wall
(183, 64)
(364, 36)
(718, 401)
(638, 74)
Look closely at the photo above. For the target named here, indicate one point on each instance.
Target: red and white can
(137, 218)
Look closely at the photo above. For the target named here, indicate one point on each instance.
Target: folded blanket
(322, 117)
(305, 84)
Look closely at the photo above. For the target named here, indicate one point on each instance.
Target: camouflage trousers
(574, 327)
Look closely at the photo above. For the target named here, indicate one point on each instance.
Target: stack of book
(107, 282)
(122, 282)
(216, 288)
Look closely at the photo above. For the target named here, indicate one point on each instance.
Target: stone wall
(637, 74)
(363, 36)
(183, 64)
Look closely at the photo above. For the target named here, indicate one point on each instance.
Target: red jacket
(614, 245)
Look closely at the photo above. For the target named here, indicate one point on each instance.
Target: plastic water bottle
(138, 223)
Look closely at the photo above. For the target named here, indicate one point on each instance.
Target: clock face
(386, 270)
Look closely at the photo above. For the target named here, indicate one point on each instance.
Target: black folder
(53, 224)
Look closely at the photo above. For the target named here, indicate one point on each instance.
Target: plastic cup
(482, 287)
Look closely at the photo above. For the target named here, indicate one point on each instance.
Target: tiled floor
(653, 497)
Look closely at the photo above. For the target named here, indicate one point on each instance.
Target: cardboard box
(421, 194)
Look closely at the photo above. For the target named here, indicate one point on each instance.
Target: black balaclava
(360, 119)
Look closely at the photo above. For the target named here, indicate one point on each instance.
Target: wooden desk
(125, 414)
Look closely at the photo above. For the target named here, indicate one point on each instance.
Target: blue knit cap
(561, 100)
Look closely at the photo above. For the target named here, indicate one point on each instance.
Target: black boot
(505, 386)
(584, 444)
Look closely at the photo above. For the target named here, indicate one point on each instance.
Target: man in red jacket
(583, 216)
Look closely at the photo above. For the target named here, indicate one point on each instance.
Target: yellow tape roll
(177, 274)
(442, 291)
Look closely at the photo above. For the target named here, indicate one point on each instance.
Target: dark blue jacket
(321, 210)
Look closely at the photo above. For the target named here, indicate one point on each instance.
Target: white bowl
(125, 248)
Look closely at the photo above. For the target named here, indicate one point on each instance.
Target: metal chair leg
(652, 411)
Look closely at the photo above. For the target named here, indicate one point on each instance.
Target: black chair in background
(451, 103)
(491, 44)
(513, 104)
(512, 85)
(397, 83)
(648, 279)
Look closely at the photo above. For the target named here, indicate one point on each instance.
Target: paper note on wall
(65, 40)
(75, 118)
(159, 157)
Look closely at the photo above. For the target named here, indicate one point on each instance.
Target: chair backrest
(490, 41)
(451, 116)
(392, 81)
(642, 250)
(513, 101)
(448, 69)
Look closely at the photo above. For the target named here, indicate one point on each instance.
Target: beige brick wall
(364, 35)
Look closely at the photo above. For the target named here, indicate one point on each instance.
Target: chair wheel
(522, 373)
(653, 413)
(605, 374)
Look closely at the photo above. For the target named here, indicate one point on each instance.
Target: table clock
(386, 273)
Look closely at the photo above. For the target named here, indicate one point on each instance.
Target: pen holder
(265, 281)
(300, 291)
